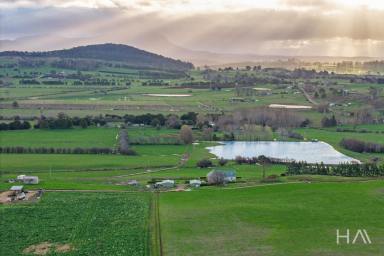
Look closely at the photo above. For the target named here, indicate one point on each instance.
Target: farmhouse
(230, 176)
(221, 176)
(165, 184)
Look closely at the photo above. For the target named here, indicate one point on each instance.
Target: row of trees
(123, 143)
(361, 146)
(345, 169)
(328, 121)
(264, 116)
(61, 122)
(15, 125)
(46, 150)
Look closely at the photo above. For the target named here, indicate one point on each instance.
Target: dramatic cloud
(284, 27)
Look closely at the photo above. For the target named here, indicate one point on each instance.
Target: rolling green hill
(109, 52)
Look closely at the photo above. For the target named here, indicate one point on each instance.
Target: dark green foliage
(204, 163)
(257, 160)
(361, 146)
(223, 161)
(328, 122)
(50, 150)
(189, 118)
(61, 122)
(349, 170)
(15, 125)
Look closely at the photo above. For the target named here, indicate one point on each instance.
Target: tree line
(123, 143)
(50, 150)
(361, 146)
(344, 169)
(15, 125)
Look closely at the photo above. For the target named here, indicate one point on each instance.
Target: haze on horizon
(193, 28)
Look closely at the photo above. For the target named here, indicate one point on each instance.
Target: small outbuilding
(132, 182)
(31, 180)
(18, 192)
(20, 177)
(165, 184)
(195, 183)
(17, 189)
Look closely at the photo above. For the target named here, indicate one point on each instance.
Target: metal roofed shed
(31, 180)
(17, 188)
(165, 184)
(195, 183)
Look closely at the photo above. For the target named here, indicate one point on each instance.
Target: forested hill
(110, 52)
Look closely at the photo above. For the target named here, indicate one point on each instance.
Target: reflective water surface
(311, 152)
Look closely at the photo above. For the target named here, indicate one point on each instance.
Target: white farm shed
(195, 183)
(31, 180)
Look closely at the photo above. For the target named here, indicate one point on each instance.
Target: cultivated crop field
(84, 224)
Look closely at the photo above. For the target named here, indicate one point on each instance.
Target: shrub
(223, 161)
(204, 163)
(271, 178)
(361, 146)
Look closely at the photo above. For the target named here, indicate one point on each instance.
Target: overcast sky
(271, 27)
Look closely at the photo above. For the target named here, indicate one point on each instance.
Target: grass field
(70, 138)
(91, 223)
(62, 162)
(289, 219)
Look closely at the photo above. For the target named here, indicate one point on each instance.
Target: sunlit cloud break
(274, 27)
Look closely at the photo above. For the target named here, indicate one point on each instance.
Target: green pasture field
(148, 157)
(288, 219)
(14, 93)
(367, 127)
(91, 223)
(68, 138)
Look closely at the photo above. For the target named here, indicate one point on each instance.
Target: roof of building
(31, 177)
(166, 181)
(227, 173)
(16, 188)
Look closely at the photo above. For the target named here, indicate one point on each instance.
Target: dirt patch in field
(46, 247)
(6, 197)
(381, 191)
(61, 248)
(38, 249)
(261, 89)
(289, 106)
(166, 95)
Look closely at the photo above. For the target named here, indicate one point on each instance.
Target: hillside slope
(109, 52)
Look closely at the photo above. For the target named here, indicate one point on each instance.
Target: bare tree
(186, 134)
(216, 177)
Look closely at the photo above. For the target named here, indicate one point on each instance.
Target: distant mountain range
(109, 52)
(159, 44)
